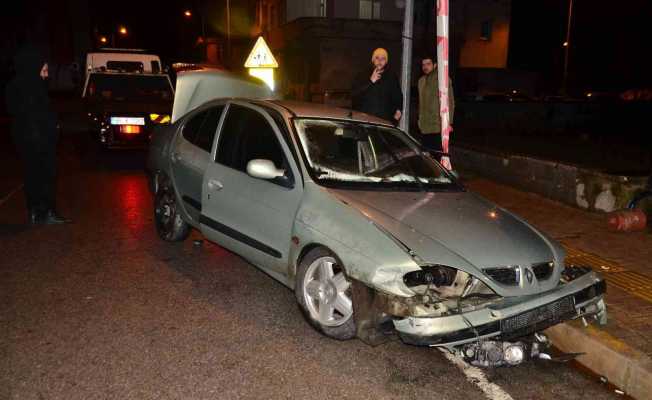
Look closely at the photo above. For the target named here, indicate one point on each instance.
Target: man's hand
(397, 115)
(376, 75)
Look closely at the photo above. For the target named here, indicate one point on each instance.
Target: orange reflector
(130, 129)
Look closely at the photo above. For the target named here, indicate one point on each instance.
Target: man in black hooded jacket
(378, 92)
(35, 133)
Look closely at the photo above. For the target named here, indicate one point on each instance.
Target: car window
(246, 135)
(129, 87)
(191, 128)
(206, 133)
(352, 154)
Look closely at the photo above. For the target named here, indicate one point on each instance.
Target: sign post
(261, 63)
(442, 77)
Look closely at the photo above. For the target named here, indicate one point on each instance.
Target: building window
(485, 29)
(369, 9)
(322, 8)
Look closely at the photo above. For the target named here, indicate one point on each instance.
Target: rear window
(128, 87)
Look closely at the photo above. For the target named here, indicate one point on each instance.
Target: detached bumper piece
(509, 322)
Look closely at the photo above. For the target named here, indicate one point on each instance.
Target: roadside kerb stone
(625, 367)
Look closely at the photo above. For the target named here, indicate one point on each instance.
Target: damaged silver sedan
(375, 238)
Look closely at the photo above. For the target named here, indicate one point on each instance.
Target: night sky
(610, 41)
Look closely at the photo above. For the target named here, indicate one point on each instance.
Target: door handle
(214, 184)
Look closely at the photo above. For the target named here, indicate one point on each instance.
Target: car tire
(170, 226)
(323, 293)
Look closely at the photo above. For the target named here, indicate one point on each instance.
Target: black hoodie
(27, 95)
(381, 98)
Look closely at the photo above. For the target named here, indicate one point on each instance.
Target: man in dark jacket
(378, 92)
(35, 134)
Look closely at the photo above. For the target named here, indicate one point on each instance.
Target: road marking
(7, 197)
(476, 376)
(615, 274)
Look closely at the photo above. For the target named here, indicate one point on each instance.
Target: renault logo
(529, 276)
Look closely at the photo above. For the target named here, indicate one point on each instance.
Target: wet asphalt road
(102, 309)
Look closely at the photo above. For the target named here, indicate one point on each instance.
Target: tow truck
(126, 94)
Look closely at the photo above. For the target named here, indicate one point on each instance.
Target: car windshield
(129, 87)
(353, 154)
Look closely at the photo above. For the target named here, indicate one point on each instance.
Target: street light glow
(123, 30)
(187, 13)
(565, 44)
(103, 39)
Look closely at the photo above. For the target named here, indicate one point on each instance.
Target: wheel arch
(302, 254)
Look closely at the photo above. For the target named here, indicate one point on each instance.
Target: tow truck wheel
(324, 294)
(169, 224)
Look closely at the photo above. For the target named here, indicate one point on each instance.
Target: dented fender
(368, 254)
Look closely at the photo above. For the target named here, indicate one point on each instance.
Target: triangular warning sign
(261, 56)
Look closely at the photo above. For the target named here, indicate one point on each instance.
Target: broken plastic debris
(620, 392)
(603, 379)
(197, 242)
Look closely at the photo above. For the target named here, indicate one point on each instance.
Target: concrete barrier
(569, 184)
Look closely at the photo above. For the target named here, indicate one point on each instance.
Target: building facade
(323, 44)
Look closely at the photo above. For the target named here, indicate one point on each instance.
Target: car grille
(538, 319)
(504, 275)
(543, 271)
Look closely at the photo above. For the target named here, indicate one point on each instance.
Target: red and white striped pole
(442, 77)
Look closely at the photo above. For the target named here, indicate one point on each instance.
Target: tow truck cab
(125, 96)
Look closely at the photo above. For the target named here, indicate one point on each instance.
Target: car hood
(434, 224)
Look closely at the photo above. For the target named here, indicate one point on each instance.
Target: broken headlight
(438, 275)
(441, 290)
(572, 272)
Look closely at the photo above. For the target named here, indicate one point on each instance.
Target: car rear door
(190, 155)
(252, 217)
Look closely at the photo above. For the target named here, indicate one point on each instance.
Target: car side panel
(368, 254)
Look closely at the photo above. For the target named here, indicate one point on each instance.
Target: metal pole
(228, 32)
(203, 23)
(443, 78)
(406, 63)
(567, 47)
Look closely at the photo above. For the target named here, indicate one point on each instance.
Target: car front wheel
(169, 224)
(324, 294)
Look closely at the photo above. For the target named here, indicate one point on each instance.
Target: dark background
(609, 47)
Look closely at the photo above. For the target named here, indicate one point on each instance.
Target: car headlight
(441, 282)
(438, 275)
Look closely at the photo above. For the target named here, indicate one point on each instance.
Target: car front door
(191, 154)
(253, 217)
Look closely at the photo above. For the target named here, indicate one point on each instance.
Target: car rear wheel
(324, 294)
(169, 224)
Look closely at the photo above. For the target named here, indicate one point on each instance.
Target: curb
(625, 367)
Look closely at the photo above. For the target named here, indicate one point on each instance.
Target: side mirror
(263, 169)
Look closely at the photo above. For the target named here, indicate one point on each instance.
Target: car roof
(316, 110)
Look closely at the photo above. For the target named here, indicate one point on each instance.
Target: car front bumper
(510, 318)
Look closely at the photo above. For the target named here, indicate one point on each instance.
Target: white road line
(476, 376)
(13, 192)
